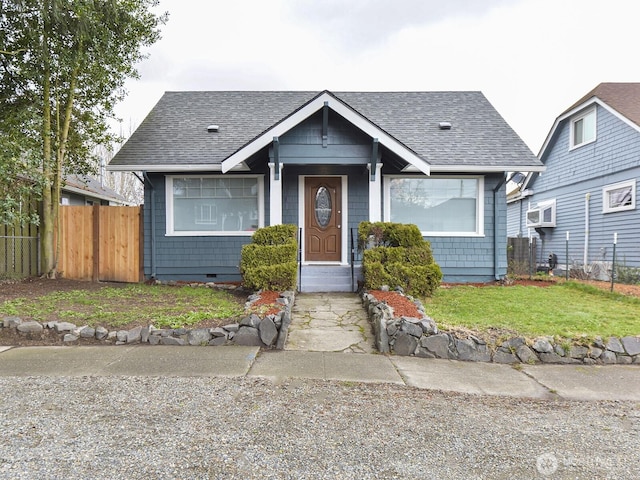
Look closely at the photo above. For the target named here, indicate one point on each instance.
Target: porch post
(275, 194)
(375, 193)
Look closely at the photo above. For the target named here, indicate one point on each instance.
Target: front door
(323, 219)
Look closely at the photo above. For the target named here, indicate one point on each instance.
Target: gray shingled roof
(175, 131)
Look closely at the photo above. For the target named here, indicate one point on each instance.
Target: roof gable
(174, 135)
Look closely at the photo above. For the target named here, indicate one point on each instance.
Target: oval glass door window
(323, 207)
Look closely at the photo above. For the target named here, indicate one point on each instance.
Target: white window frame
(479, 231)
(171, 232)
(607, 208)
(582, 116)
(541, 207)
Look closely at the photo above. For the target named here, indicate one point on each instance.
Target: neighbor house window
(438, 206)
(583, 128)
(619, 197)
(214, 205)
(543, 215)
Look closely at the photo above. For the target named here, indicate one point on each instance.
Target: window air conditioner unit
(544, 215)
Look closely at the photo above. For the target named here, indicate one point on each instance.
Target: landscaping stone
(121, 336)
(468, 350)
(60, 327)
(30, 327)
(608, 357)
(631, 345)
(154, 339)
(392, 329)
(248, 336)
(268, 331)
(424, 353)
(101, 333)
(595, 352)
(144, 333)
(252, 320)
(172, 341)
(69, 337)
(526, 355)
(437, 344)
(623, 359)
(542, 346)
(578, 351)
(218, 332)
(559, 350)
(134, 335)
(405, 344)
(217, 341)
(88, 332)
(411, 328)
(504, 357)
(513, 343)
(11, 322)
(614, 345)
(429, 326)
(232, 327)
(180, 331)
(198, 336)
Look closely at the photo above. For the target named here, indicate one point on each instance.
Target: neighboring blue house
(218, 165)
(592, 155)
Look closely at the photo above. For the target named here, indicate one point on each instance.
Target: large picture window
(619, 197)
(214, 205)
(438, 206)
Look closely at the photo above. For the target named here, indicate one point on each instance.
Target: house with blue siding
(588, 191)
(218, 165)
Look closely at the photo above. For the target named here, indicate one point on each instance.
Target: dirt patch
(402, 306)
(37, 287)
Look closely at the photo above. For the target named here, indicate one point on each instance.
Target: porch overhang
(341, 108)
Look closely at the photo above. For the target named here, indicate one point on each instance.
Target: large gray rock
(429, 326)
(252, 320)
(30, 327)
(615, 345)
(424, 353)
(631, 345)
(623, 359)
(11, 322)
(595, 352)
(199, 336)
(555, 358)
(608, 357)
(542, 345)
(144, 333)
(405, 344)
(134, 335)
(512, 344)
(172, 341)
(217, 341)
(382, 337)
(101, 333)
(504, 357)
(578, 351)
(121, 335)
(412, 329)
(218, 332)
(526, 355)
(232, 327)
(154, 339)
(437, 344)
(468, 350)
(60, 327)
(248, 336)
(268, 331)
(69, 338)
(88, 332)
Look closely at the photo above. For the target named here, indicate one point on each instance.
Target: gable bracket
(374, 159)
(276, 158)
(325, 124)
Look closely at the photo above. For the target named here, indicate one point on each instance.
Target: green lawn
(570, 310)
(111, 307)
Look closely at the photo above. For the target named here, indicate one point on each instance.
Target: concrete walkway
(329, 322)
(613, 382)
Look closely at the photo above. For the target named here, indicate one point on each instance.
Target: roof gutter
(153, 225)
(496, 230)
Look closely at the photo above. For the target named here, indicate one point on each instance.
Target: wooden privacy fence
(521, 256)
(101, 243)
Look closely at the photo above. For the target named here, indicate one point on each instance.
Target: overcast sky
(531, 58)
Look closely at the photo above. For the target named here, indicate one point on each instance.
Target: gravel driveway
(135, 427)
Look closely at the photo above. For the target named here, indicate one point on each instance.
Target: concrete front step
(328, 278)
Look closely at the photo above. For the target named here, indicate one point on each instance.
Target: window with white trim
(583, 128)
(543, 215)
(214, 204)
(619, 197)
(439, 206)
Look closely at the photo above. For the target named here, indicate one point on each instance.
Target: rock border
(420, 337)
(269, 331)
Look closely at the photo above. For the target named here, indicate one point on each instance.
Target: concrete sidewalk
(614, 382)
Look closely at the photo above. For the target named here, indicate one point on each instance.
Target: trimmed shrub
(276, 235)
(270, 262)
(399, 257)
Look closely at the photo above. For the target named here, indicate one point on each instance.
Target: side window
(583, 129)
(619, 197)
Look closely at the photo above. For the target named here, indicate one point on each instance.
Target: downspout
(587, 197)
(153, 226)
(496, 230)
